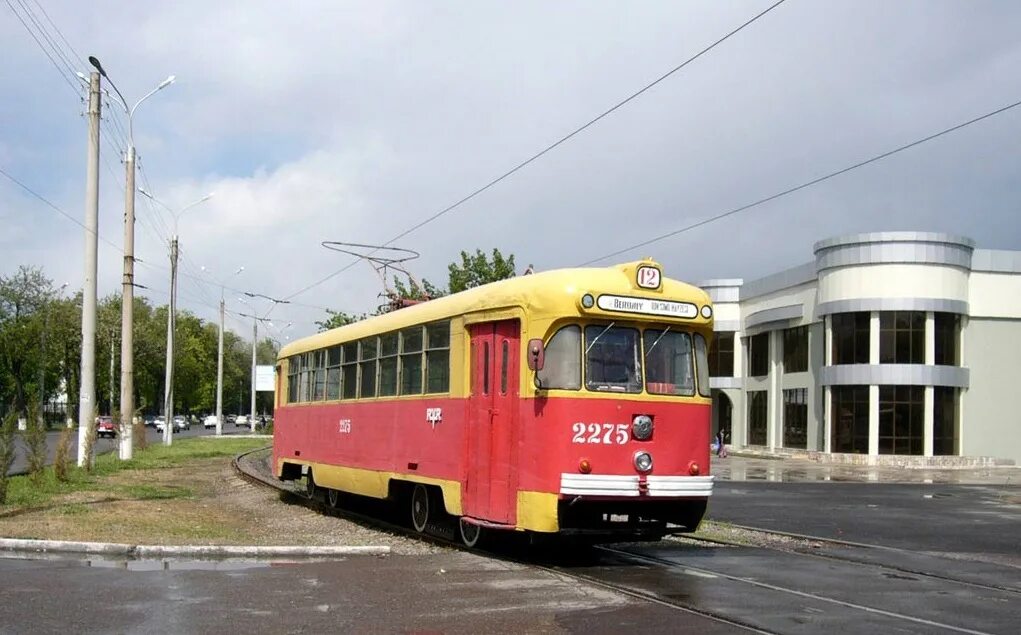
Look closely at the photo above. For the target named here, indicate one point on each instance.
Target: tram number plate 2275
(605, 433)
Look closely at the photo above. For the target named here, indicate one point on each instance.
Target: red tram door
(490, 490)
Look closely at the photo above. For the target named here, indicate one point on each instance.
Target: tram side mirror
(536, 354)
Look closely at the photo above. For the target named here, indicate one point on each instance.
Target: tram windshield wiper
(649, 350)
(596, 338)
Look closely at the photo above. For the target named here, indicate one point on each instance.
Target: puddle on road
(162, 564)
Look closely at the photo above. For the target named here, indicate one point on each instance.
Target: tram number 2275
(607, 433)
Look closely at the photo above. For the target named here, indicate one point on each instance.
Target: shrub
(35, 444)
(62, 459)
(8, 427)
(90, 442)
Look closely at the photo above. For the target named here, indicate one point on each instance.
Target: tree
(24, 302)
(476, 270)
(335, 320)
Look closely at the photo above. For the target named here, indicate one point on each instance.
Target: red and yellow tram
(568, 401)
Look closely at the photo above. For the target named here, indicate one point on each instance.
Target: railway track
(602, 566)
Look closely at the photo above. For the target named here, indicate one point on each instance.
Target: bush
(90, 442)
(35, 444)
(8, 427)
(62, 459)
(138, 435)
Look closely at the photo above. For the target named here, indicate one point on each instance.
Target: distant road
(110, 445)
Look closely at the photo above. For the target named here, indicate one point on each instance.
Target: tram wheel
(420, 507)
(310, 485)
(470, 533)
(333, 498)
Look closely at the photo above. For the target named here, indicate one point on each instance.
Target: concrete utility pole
(255, 341)
(255, 338)
(168, 394)
(128, 283)
(87, 389)
(219, 356)
(111, 374)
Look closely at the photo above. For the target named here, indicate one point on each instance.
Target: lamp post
(219, 356)
(255, 337)
(128, 283)
(168, 394)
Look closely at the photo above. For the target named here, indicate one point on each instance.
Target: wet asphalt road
(944, 558)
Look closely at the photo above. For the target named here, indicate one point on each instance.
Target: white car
(209, 422)
(242, 420)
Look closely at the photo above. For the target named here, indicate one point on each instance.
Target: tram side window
(305, 390)
(612, 359)
(319, 358)
(411, 361)
(437, 357)
(388, 365)
(292, 379)
(669, 367)
(333, 359)
(349, 371)
(562, 367)
(367, 367)
(702, 365)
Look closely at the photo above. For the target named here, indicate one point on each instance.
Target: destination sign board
(647, 306)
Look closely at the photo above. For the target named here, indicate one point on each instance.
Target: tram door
(491, 482)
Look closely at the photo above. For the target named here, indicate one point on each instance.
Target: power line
(816, 181)
(76, 89)
(550, 147)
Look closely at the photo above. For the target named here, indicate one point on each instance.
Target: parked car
(181, 423)
(232, 418)
(105, 427)
(150, 422)
(241, 420)
(209, 422)
(161, 423)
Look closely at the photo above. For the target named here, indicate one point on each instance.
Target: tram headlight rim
(641, 427)
(588, 301)
(707, 311)
(639, 456)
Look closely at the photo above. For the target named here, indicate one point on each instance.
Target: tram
(573, 401)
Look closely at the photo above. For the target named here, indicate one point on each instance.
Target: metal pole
(128, 311)
(255, 340)
(219, 374)
(87, 390)
(168, 399)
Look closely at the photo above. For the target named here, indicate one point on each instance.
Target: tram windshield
(668, 363)
(613, 359)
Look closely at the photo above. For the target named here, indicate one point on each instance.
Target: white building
(891, 343)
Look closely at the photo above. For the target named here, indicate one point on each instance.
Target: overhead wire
(807, 184)
(620, 104)
(76, 89)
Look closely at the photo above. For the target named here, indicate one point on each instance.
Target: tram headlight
(643, 461)
(588, 301)
(707, 311)
(641, 427)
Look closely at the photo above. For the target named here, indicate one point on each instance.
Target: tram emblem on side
(434, 416)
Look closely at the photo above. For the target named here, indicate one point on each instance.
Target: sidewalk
(785, 466)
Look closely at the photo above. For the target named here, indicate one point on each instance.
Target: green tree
(476, 269)
(336, 319)
(25, 302)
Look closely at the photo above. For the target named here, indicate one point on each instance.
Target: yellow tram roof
(545, 295)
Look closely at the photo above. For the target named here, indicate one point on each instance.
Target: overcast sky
(318, 121)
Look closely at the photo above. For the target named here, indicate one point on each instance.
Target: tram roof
(553, 293)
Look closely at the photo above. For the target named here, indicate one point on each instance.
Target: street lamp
(128, 288)
(219, 356)
(168, 395)
(255, 336)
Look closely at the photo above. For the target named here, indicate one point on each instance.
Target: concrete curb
(177, 551)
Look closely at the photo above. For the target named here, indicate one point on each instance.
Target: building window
(758, 355)
(757, 417)
(948, 329)
(795, 350)
(901, 420)
(795, 418)
(850, 338)
(721, 355)
(902, 337)
(944, 422)
(850, 419)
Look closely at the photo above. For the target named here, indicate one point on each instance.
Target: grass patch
(23, 492)
(155, 492)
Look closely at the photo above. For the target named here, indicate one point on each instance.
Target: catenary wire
(76, 89)
(806, 184)
(548, 148)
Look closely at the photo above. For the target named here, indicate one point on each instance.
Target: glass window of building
(850, 338)
(944, 421)
(902, 337)
(901, 419)
(795, 418)
(795, 350)
(757, 417)
(758, 355)
(561, 369)
(721, 355)
(948, 331)
(850, 419)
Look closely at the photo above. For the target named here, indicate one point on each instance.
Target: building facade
(890, 343)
